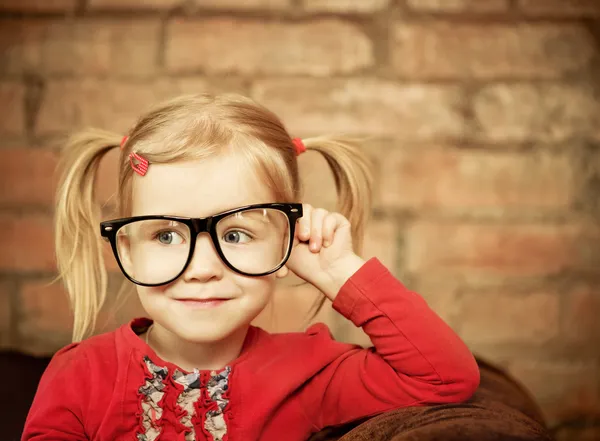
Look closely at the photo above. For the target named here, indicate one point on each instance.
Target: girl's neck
(189, 356)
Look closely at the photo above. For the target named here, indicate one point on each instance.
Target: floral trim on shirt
(217, 386)
(187, 399)
(216, 399)
(152, 392)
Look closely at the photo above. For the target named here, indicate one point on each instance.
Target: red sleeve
(417, 358)
(57, 410)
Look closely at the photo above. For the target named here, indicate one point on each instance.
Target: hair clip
(123, 141)
(300, 147)
(141, 166)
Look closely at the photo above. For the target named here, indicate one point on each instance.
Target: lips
(201, 303)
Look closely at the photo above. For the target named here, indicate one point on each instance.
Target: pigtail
(352, 173)
(77, 217)
(353, 176)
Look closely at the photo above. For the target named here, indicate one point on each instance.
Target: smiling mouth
(201, 303)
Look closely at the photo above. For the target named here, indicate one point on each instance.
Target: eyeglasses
(255, 240)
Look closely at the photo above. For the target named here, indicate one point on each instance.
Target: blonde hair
(188, 127)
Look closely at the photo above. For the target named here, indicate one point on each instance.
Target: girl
(208, 192)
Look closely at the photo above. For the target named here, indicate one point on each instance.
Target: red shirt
(113, 387)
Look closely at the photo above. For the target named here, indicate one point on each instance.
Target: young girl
(208, 194)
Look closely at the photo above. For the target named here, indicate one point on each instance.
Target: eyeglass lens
(155, 251)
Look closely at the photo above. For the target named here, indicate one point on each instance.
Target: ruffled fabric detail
(217, 387)
(152, 393)
(187, 399)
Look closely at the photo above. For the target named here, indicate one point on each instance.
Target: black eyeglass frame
(293, 211)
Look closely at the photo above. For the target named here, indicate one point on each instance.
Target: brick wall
(485, 120)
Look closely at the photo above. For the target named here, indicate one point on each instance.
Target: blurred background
(482, 118)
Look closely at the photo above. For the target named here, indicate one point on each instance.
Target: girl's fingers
(304, 223)
(316, 229)
(317, 226)
(330, 224)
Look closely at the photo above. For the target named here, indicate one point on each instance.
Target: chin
(202, 332)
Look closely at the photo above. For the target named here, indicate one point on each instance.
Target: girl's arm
(417, 358)
(56, 412)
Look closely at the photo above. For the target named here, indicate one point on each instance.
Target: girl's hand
(322, 253)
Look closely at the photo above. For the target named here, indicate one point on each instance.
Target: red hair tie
(300, 147)
(138, 164)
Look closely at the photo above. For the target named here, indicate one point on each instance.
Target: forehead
(198, 188)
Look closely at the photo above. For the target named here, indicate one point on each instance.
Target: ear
(282, 272)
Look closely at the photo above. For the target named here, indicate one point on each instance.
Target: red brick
(28, 243)
(564, 389)
(475, 50)
(381, 241)
(203, 4)
(5, 315)
(29, 177)
(124, 47)
(243, 4)
(12, 96)
(458, 179)
(46, 320)
(580, 322)
(193, 84)
(442, 294)
(541, 112)
(317, 48)
(480, 250)
(365, 106)
(98, 47)
(69, 104)
(134, 45)
(458, 5)
(38, 5)
(507, 317)
(21, 45)
(111, 105)
(568, 8)
(135, 4)
(342, 6)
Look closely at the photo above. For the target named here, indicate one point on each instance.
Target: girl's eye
(169, 238)
(236, 236)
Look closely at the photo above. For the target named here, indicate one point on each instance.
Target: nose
(206, 263)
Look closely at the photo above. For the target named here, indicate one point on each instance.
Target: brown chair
(500, 410)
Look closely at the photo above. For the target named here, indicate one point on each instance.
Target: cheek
(258, 291)
(150, 297)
